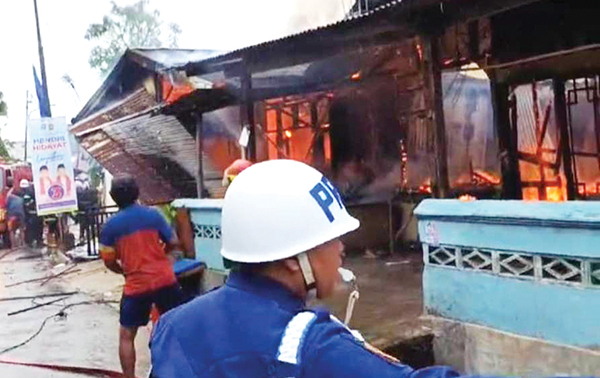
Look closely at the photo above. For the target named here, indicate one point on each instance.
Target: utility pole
(42, 61)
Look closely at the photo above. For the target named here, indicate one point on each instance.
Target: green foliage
(4, 154)
(169, 212)
(127, 27)
(5, 145)
(96, 174)
(3, 106)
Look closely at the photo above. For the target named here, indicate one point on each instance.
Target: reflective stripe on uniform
(357, 335)
(293, 336)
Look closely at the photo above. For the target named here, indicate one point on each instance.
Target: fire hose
(92, 372)
(350, 278)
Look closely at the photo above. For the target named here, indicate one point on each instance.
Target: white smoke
(311, 14)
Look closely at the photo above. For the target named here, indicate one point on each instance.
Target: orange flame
(419, 49)
(426, 187)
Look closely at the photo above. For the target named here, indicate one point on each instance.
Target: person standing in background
(132, 243)
(15, 211)
(34, 225)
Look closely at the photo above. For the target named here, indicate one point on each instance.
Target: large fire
(553, 194)
(589, 190)
(556, 194)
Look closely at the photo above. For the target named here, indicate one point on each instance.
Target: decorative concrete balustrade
(205, 216)
(532, 269)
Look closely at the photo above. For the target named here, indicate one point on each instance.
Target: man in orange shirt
(133, 244)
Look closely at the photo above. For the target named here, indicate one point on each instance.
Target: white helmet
(24, 184)
(278, 209)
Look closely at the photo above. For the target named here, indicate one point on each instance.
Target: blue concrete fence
(205, 215)
(528, 268)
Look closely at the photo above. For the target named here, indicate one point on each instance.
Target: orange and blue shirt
(136, 236)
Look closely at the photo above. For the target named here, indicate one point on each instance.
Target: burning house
(397, 102)
(122, 127)
(400, 101)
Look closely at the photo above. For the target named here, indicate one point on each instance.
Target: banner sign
(53, 177)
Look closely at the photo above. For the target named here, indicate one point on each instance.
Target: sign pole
(42, 61)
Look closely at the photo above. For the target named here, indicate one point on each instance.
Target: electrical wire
(60, 314)
(30, 338)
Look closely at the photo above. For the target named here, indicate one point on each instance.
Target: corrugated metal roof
(168, 58)
(361, 6)
(302, 78)
(346, 21)
(134, 66)
(137, 102)
(156, 149)
(115, 159)
(527, 126)
(395, 13)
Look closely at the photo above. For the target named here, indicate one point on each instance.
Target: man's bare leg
(22, 236)
(127, 351)
(13, 239)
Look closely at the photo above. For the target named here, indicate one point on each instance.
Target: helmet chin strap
(307, 272)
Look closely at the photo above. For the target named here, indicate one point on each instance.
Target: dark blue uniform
(255, 327)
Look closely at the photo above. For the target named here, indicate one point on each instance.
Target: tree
(3, 113)
(127, 27)
(3, 106)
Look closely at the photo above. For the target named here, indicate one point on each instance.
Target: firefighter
(231, 172)
(281, 223)
(34, 225)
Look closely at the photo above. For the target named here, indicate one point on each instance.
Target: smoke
(310, 14)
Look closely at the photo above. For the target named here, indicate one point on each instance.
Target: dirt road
(80, 330)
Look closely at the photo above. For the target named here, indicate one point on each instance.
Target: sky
(206, 24)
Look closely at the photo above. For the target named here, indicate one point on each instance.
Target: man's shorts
(135, 309)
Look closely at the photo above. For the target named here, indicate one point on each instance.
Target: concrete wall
(474, 349)
(555, 312)
(532, 269)
(205, 216)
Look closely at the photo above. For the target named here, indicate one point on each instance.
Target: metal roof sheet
(168, 58)
(137, 102)
(348, 20)
(134, 66)
(156, 149)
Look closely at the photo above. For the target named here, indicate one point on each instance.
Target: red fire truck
(10, 174)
